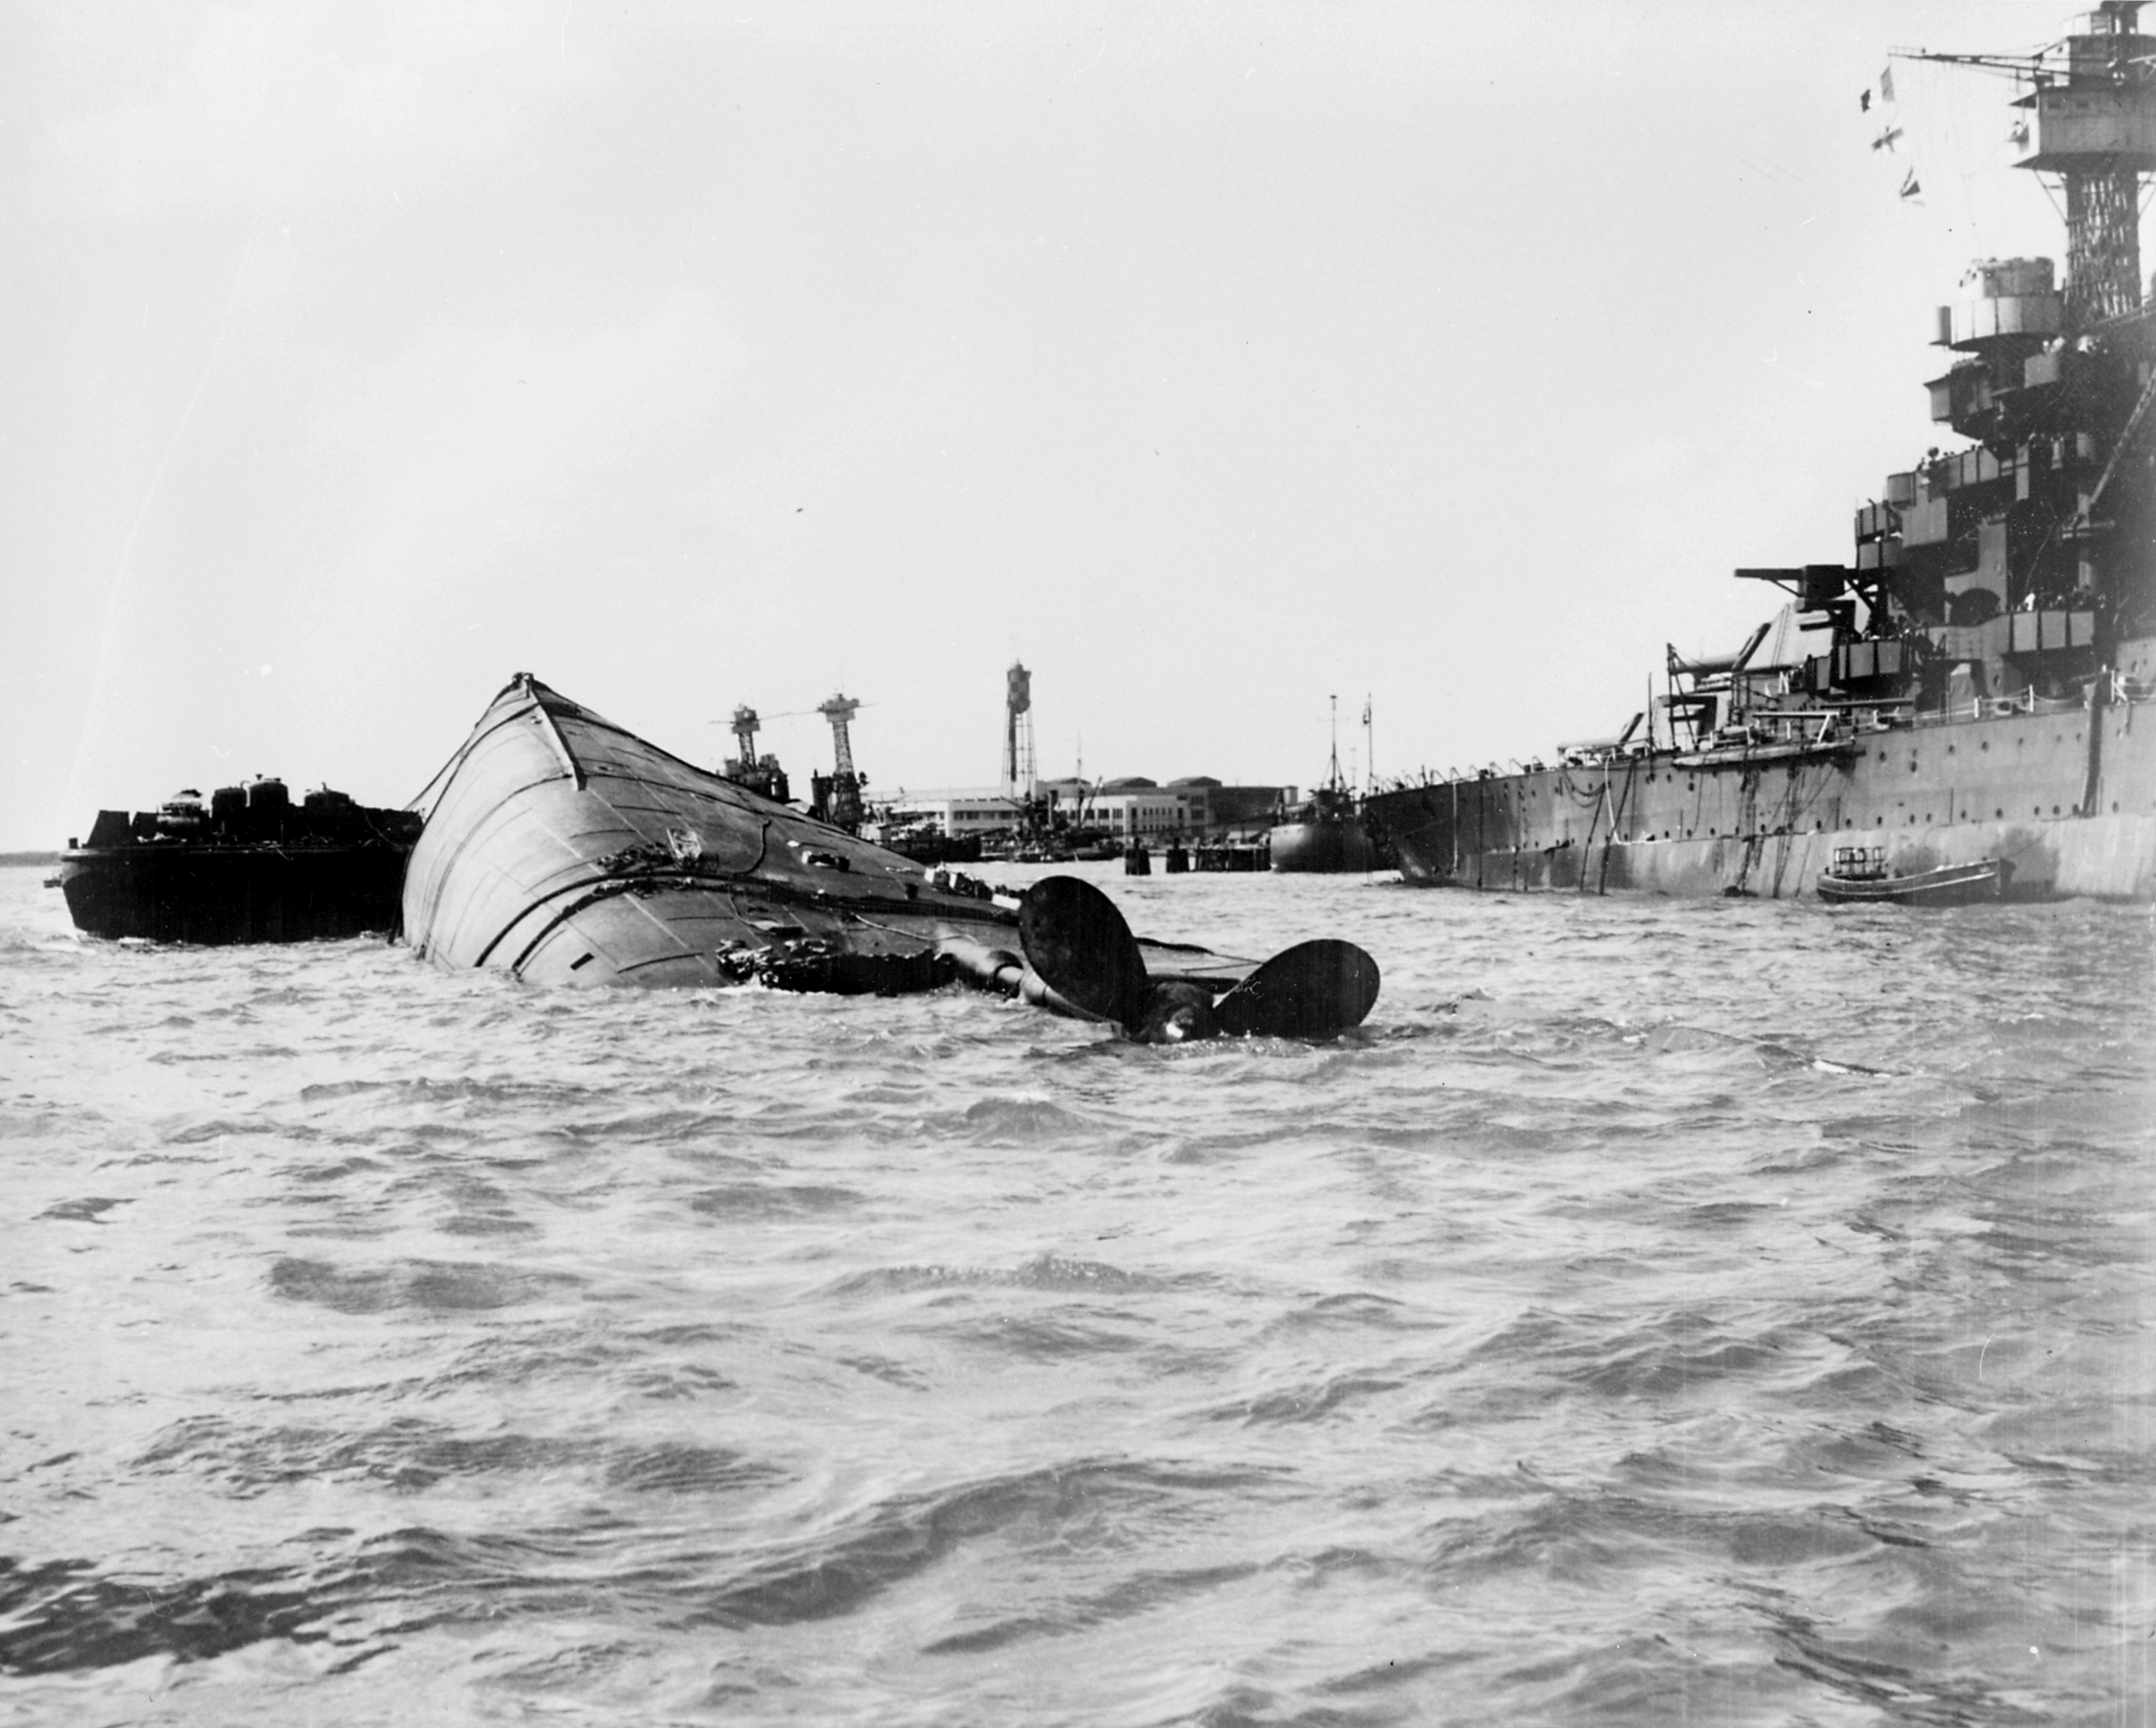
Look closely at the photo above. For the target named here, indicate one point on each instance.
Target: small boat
(1859, 875)
(563, 849)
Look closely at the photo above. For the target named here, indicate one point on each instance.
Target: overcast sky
(1212, 360)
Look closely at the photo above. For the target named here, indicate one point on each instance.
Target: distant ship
(1326, 833)
(1967, 690)
(1323, 833)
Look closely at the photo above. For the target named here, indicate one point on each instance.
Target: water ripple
(1660, 1311)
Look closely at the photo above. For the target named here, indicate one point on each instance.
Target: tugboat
(249, 867)
(1963, 691)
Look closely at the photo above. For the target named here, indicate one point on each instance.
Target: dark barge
(250, 866)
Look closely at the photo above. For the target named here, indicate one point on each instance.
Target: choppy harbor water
(1662, 1312)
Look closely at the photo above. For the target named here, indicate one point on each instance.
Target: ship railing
(1875, 713)
(2024, 701)
(1597, 756)
(1824, 724)
(1777, 729)
(1799, 726)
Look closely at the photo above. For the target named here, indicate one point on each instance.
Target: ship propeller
(1079, 945)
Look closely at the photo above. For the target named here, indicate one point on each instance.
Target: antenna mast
(2096, 130)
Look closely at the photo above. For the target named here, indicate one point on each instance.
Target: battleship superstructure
(1968, 688)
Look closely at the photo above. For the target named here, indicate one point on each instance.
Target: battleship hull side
(2068, 798)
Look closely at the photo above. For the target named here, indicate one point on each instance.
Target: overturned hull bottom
(562, 849)
(2107, 857)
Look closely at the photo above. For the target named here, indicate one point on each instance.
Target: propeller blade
(1078, 942)
(1314, 990)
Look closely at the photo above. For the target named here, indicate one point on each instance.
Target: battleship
(1962, 697)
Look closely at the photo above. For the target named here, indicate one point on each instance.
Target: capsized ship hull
(2068, 797)
(565, 850)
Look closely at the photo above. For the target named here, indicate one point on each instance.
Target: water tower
(1018, 732)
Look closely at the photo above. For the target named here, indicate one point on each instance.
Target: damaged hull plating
(2073, 813)
(564, 850)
